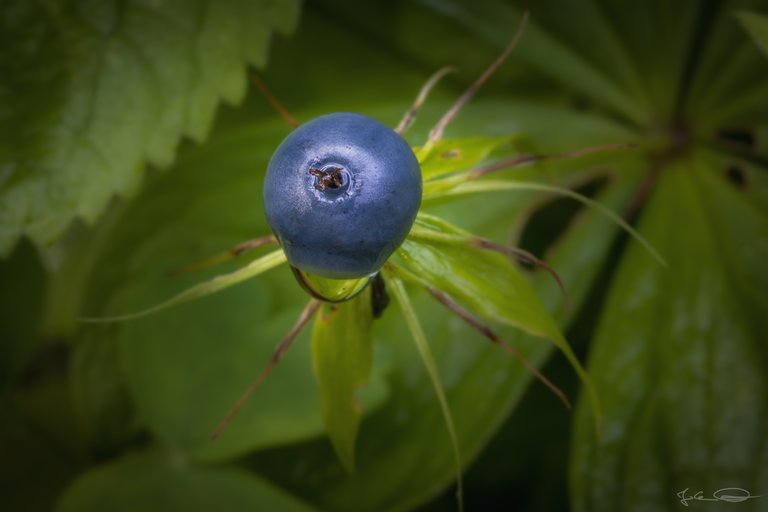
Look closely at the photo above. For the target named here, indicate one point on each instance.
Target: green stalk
(396, 285)
(214, 285)
(470, 187)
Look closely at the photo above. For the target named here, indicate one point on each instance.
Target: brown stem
(473, 322)
(410, 116)
(279, 108)
(527, 159)
(437, 132)
(526, 257)
(223, 257)
(282, 347)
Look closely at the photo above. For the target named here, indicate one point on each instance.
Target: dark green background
(95, 97)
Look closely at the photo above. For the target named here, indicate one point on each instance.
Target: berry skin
(341, 194)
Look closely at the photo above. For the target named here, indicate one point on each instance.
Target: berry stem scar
(330, 177)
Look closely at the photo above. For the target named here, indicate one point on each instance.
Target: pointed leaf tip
(214, 285)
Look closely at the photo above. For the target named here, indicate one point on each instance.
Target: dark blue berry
(341, 193)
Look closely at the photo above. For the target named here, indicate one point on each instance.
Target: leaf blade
(342, 358)
(431, 367)
(678, 357)
(216, 284)
(451, 155)
(497, 185)
(492, 286)
(154, 481)
(756, 25)
(129, 82)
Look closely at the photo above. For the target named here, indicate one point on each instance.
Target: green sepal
(342, 357)
(330, 290)
(489, 284)
(214, 285)
(450, 155)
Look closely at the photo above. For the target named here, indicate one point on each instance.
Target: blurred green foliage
(99, 200)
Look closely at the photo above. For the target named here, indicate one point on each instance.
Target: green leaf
(756, 25)
(485, 280)
(451, 155)
(434, 376)
(216, 284)
(342, 355)
(596, 66)
(497, 186)
(730, 78)
(489, 284)
(680, 357)
(152, 481)
(89, 91)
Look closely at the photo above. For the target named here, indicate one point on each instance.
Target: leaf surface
(342, 356)
(451, 155)
(91, 91)
(490, 284)
(679, 359)
(152, 481)
(756, 25)
(487, 281)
